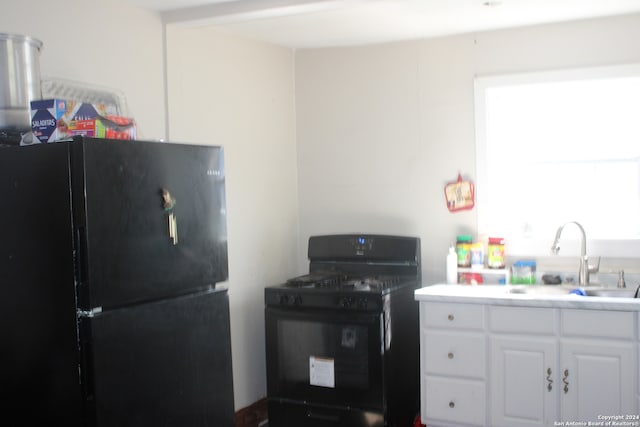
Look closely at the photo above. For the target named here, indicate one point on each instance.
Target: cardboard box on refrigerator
(112, 127)
(56, 119)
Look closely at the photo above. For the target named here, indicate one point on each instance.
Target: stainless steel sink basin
(593, 291)
(538, 289)
(611, 292)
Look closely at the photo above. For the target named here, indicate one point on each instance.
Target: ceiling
(323, 23)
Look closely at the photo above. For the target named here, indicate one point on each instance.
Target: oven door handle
(330, 316)
(333, 418)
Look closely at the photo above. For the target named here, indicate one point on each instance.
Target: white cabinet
(499, 365)
(453, 364)
(521, 381)
(581, 371)
(523, 354)
(454, 402)
(597, 355)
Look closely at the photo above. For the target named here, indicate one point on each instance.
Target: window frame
(519, 246)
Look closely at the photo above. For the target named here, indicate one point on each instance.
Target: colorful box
(50, 118)
(112, 127)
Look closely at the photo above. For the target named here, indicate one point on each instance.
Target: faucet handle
(593, 264)
(621, 282)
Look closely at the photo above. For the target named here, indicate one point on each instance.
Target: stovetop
(344, 282)
(337, 291)
(351, 271)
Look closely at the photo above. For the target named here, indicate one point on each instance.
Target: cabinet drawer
(522, 320)
(453, 401)
(593, 323)
(454, 353)
(445, 315)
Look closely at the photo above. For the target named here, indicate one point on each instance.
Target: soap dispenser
(452, 266)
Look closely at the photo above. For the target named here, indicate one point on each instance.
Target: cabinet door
(523, 388)
(597, 379)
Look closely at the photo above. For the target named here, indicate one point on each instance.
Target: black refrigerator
(111, 308)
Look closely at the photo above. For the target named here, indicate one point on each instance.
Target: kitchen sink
(593, 291)
(538, 289)
(611, 292)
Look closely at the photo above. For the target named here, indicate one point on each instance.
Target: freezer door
(150, 220)
(166, 363)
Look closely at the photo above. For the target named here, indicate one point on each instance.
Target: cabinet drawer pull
(450, 355)
(549, 380)
(450, 317)
(565, 382)
(452, 405)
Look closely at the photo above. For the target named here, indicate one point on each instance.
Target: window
(560, 146)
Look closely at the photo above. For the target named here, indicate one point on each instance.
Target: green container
(523, 272)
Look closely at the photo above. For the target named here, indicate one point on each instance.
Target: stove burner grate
(317, 280)
(371, 282)
(343, 282)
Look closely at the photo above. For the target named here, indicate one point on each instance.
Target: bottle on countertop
(452, 266)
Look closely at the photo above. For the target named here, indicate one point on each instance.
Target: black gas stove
(351, 272)
(342, 340)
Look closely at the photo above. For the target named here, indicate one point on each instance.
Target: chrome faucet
(585, 269)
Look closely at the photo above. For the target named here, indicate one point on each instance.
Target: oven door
(325, 357)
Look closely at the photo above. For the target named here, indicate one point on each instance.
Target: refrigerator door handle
(89, 313)
(173, 228)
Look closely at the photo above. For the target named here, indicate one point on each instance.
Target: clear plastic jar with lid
(495, 252)
(523, 272)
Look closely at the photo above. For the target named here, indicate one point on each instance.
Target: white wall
(382, 129)
(239, 94)
(104, 43)
(377, 130)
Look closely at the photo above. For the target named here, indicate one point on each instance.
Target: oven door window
(325, 357)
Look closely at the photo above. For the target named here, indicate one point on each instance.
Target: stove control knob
(362, 303)
(297, 300)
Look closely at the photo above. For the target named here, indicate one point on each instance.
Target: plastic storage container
(523, 272)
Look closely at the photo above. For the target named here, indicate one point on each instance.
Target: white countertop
(512, 295)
